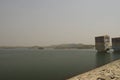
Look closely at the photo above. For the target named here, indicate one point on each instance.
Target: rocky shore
(110, 71)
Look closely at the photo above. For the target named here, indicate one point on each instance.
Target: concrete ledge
(110, 71)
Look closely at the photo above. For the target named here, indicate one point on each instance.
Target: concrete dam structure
(110, 71)
(102, 43)
(116, 44)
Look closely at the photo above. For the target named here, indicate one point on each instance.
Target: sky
(50, 22)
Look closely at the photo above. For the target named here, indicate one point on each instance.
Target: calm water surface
(34, 64)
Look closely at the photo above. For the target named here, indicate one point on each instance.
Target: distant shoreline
(60, 46)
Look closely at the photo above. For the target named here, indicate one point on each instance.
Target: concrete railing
(110, 71)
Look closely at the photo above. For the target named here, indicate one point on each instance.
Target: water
(34, 64)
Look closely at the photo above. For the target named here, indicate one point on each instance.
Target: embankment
(110, 71)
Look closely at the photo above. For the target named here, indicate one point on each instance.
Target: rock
(110, 71)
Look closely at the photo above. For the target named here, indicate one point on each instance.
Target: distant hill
(60, 46)
(71, 46)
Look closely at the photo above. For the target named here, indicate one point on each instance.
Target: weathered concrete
(110, 71)
(102, 43)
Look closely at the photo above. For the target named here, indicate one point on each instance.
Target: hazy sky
(46, 22)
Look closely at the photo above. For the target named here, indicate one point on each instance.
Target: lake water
(34, 64)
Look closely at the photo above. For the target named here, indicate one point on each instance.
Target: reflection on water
(103, 58)
(116, 55)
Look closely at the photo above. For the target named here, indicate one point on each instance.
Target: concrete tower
(102, 43)
(116, 44)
